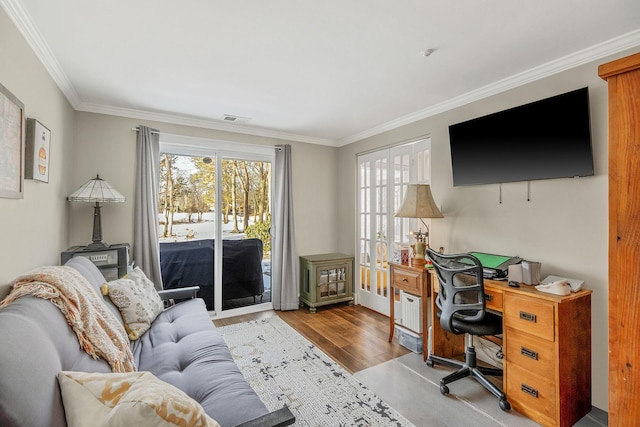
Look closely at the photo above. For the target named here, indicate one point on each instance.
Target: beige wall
(33, 230)
(564, 225)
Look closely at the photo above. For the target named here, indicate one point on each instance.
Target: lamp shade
(96, 190)
(418, 203)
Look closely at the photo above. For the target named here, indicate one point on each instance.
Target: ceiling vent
(235, 119)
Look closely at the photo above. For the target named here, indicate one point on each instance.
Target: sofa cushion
(183, 348)
(137, 398)
(137, 299)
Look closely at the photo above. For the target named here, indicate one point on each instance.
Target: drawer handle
(404, 279)
(488, 297)
(529, 317)
(529, 353)
(529, 390)
(410, 300)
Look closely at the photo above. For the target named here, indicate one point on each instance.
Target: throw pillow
(137, 299)
(129, 399)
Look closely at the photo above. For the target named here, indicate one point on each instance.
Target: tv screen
(546, 139)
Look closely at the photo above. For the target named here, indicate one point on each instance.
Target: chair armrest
(278, 418)
(168, 296)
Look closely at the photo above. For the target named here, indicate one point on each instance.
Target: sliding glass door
(382, 179)
(214, 219)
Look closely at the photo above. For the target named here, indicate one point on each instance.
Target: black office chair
(461, 310)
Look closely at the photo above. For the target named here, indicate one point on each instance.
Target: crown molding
(593, 53)
(200, 123)
(23, 21)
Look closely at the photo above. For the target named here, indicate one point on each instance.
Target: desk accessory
(418, 203)
(561, 287)
(574, 284)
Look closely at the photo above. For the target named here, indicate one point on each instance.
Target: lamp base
(418, 262)
(96, 246)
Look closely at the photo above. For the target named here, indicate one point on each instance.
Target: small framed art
(11, 145)
(37, 153)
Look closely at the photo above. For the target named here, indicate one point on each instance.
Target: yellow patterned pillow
(130, 399)
(137, 299)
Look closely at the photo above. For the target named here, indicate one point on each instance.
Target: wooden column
(623, 78)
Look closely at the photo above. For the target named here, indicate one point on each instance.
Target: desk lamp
(99, 191)
(418, 203)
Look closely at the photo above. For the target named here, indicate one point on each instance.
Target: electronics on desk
(574, 284)
(495, 266)
(527, 272)
(560, 287)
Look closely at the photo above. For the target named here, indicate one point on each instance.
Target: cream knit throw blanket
(98, 330)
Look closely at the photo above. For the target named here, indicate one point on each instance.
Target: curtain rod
(138, 129)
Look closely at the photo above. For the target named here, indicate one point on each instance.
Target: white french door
(382, 179)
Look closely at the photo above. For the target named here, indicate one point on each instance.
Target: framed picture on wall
(37, 152)
(11, 145)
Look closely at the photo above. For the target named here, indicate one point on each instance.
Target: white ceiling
(328, 72)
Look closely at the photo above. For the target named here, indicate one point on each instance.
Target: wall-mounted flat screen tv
(546, 139)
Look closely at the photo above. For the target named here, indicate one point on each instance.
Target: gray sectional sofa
(181, 348)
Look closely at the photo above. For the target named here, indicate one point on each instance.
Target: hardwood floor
(355, 337)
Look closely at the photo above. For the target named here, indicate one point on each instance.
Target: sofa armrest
(278, 418)
(168, 296)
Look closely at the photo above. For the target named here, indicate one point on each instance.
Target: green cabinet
(325, 279)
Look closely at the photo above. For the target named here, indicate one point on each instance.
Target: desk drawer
(529, 315)
(531, 394)
(407, 280)
(531, 353)
(493, 299)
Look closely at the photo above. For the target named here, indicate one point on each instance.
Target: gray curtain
(284, 266)
(146, 249)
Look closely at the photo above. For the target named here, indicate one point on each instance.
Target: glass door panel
(246, 224)
(187, 223)
(214, 224)
(382, 180)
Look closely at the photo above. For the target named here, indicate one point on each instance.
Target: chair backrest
(461, 294)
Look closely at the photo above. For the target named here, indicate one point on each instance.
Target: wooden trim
(619, 66)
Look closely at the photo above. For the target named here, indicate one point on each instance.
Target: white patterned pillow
(129, 399)
(137, 299)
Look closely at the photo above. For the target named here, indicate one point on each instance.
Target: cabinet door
(332, 282)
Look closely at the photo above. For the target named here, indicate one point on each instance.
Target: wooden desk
(546, 345)
(413, 280)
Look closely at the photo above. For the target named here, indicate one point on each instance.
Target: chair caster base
(444, 389)
(504, 405)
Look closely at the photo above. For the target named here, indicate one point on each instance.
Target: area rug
(283, 367)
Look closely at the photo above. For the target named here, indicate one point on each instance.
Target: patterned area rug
(283, 367)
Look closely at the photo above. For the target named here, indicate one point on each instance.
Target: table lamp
(99, 191)
(418, 203)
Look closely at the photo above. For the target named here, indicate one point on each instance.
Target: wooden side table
(415, 281)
